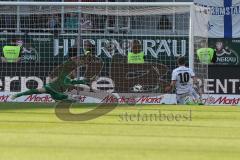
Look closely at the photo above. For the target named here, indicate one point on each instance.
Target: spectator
(71, 21)
(86, 22)
(205, 54)
(25, 18)
(221, 49)
(8, 23)
(12, 52)
(53, 24)
(164, 23)
(137, 55)
(89, 49)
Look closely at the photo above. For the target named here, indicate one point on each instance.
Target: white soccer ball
(137, 88)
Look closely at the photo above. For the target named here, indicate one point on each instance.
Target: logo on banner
(144, 99)
(226, 55)
(29, 54)
(210, 26)
(223, 15)
(110, 47)
(223, 100)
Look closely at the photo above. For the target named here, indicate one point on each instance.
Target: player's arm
(79, 59)
(70, 81)
(173, 82)
(194, 78)
(171, 86)
(68, 65)
(55, 72)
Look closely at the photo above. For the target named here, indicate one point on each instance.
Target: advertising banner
(42, 54)
(223, 80)
(47, 48)
(126, 98)
(222, 17)
(227, 50)
(122, 78)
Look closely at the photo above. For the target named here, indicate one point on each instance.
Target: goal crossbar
(110, 4)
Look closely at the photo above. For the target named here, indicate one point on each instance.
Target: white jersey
(183, 77)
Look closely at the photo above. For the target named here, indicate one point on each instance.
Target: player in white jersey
(182, 79)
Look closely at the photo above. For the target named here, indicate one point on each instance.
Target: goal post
(103, 34)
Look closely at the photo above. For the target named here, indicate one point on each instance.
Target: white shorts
(187, 97)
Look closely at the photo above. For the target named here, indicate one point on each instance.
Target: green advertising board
(48, 49)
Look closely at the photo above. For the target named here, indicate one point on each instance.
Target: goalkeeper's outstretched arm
(69, 81)
(55, 73)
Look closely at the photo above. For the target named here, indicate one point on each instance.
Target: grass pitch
(33, 132)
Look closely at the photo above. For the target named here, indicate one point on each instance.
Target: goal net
(106, 38)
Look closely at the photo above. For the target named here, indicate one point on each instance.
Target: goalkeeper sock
(28, 92)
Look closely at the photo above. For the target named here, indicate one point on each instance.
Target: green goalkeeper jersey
(60, 73)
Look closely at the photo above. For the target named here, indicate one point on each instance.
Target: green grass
(33, 132)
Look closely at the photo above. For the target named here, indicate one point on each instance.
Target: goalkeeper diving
(60, 81)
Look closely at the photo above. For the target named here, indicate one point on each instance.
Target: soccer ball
(137, 88)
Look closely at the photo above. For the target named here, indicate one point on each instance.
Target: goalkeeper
(60, 81)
